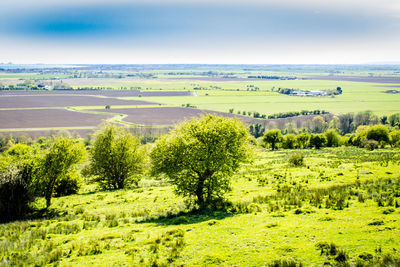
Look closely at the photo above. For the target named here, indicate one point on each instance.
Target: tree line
(370, 137)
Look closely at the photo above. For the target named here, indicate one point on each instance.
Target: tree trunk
(48, 202)
(199, 192)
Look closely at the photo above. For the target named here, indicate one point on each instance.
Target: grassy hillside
(342, 206)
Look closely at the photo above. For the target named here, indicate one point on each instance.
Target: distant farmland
(108, 93)
(167, 115)
(63, 101)
(45, 118)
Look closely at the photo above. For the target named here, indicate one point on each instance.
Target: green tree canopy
(200, 156)
(63, 154)
(379, 133)
(332, 138)
(273, 137)
(317, 140)
(395, 138)
(303, 140)
(116, 158)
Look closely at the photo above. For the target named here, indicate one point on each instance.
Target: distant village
(308, 93)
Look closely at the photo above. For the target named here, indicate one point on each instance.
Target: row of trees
(369, 137)
(343, 124)
(197, 157)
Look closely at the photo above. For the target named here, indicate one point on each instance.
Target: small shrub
(370, 144)
(388, 211)
(376, 222)
(296, 159)
(341, 256)
(285, 263)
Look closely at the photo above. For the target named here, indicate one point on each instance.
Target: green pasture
(149, 225)
(356, 97)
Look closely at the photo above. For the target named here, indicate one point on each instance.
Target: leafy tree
(273, 137)
(379, 133)
(346, 123)
(63, 154)
(289, 141)
(394, 119)
(332, 138)
(200, 156)
(15, 194)
(19, 172)
(334, 123)
(319, 125)
(256, 130)
(116, 158)
(317, 140)
(303, 140)
(394, 140)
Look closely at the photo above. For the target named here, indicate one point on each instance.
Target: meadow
(341, 207)
(357, 96)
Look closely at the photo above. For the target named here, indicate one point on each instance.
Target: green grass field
(346, 196)
(356, 97)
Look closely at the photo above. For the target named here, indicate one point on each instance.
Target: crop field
(166, 115)
(63, 101)
(106, 93)
(47, 118)
(341, 207)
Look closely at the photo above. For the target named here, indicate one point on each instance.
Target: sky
(199, 31)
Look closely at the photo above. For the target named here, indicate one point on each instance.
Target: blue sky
(252, 31)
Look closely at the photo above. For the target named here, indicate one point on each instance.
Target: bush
(296, 159)
(289, 141)
(68, 184)
(15, 194)
(370, 144)
(116, 158)
(332, 138)
(379, 133)
(317, 140)
(273, 137)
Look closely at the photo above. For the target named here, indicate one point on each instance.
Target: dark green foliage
(296, 113)
(289, 141)
(379, 133)
(394, 120)
(256, 130)
(273, 137)
(116, 158)
(317, 140)
(68, 184)
(370, 144)
(62, 156)
(15, 194)
(394, 139)
(303, 140)
(199, 156)
(285, 263)
(332, 138)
